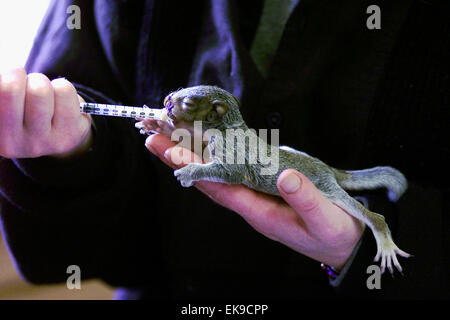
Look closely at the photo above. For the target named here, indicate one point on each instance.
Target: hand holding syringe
(39, 117)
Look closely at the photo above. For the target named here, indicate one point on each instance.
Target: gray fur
(199, 104)
(378, 177)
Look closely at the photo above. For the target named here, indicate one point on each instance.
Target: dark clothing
(351, 96)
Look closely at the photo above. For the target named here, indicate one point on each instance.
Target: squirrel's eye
(212, 116)
(188, 104)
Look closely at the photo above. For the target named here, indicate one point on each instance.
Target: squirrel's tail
(378, 177)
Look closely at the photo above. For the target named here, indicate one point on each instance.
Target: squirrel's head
(215, 107)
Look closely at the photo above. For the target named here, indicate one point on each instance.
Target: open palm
(302, 219)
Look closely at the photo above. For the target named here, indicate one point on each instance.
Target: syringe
(124, 111)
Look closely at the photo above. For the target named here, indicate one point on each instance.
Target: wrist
(345, 253)
(336, 276)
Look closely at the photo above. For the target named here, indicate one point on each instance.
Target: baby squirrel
(218, 109)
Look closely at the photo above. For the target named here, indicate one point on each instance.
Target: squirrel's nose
(168, 102)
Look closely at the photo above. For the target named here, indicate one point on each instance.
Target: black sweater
(353, 97)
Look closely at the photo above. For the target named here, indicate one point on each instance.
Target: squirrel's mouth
(171, 115)
(169, 105)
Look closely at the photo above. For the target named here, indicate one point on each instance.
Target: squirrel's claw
(184, 176)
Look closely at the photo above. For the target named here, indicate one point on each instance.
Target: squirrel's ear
(220, 107)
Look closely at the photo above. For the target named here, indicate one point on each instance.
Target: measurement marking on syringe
(123, 111)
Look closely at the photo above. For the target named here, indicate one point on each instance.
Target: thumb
(309, 203)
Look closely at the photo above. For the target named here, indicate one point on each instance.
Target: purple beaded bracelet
(332, 272)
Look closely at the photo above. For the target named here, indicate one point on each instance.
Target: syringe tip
(164, 116)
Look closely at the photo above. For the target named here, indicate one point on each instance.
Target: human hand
(303, 219)
(39, 117)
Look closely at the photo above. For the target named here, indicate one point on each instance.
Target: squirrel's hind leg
(387, 250)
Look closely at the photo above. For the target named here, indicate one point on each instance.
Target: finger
(256, 208)
(267, 214)
(158, 144)
(39, 101)
(67, 105)
(262, 211)
(180, 156)
(300, 193)
(80, 99)
(225, 194)
(12, 98)
(87, 124)
(173, 155)
(170, 153)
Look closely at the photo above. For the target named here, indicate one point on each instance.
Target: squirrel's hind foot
(387, 250)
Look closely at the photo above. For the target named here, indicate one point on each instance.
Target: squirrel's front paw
(149, 126)
(184, 175)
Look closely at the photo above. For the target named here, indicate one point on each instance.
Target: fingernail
(9, 76)
(10, 69)
(291, 183)
(167, 155)
(147, 142)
